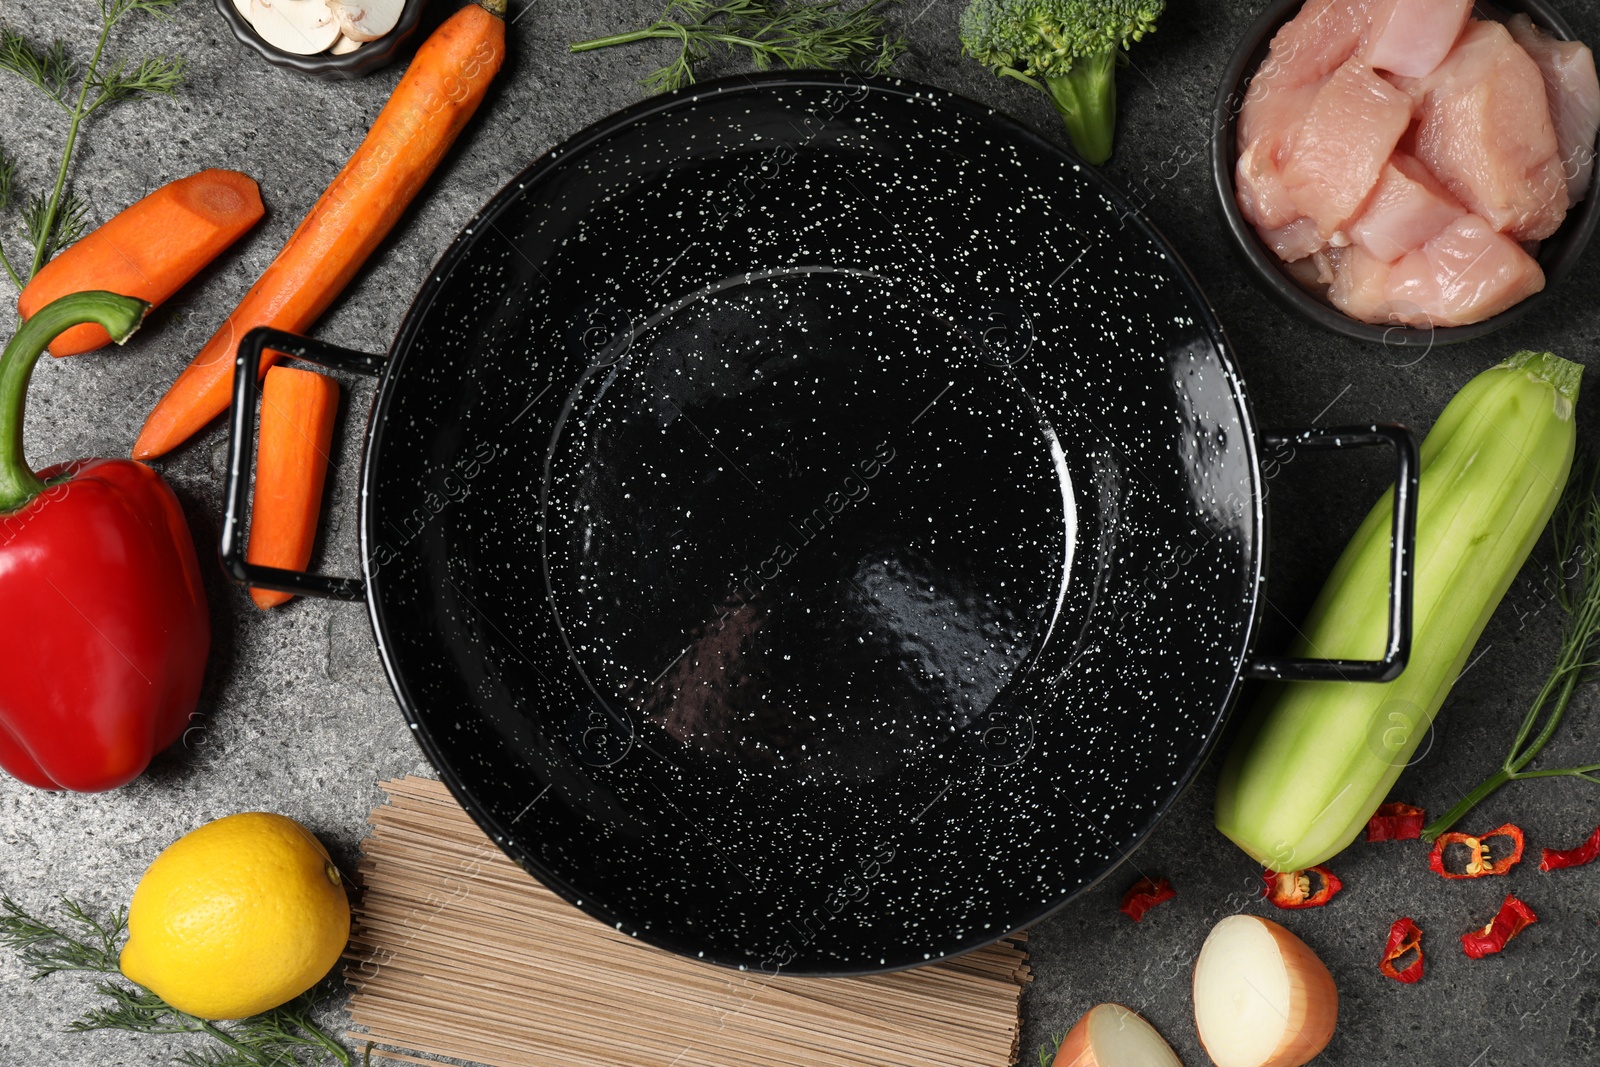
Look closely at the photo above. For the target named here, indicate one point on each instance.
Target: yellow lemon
(237, 917)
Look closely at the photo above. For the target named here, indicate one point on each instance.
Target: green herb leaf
(49, 69)
(790, 33)
(1048, 1050)
(47, 950)
(114, 10)
(56, 232)
(56, 218)
(8, 172)
(154, 75)
(54, 225)
(129, 1009)
(287, 1036)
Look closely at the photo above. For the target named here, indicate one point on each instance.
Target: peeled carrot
(437, 96)
(148, 250)
(297, 410)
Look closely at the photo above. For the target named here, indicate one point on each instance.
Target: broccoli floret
(1066, 48)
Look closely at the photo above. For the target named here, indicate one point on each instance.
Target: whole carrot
(434, 100)
(149, 249)
(297, 412)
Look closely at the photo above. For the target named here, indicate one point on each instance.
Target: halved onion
(1110, 1035)
(1261, 997)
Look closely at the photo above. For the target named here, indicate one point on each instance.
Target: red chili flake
(1405, 937)
(1395, 822)
(1479, 863)
(1514, 917)
(1145, 894)
(1555, 859)
(1295, 889)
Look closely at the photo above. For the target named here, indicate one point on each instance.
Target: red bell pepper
(1513, 918)
(1405, 937)
(1395, 822)
(1554, 859)
(1145, 894)
(1310, 888)
(107, 630)
(1479, 864)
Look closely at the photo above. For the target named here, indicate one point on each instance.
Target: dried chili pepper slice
(1145, 894)
(1514, 917)
(1555, 859)
(1405, 937)
(1479, 862)
(1396, 822)
(1310, 888)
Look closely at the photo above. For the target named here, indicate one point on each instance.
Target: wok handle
(1402, 552)
(241, 440)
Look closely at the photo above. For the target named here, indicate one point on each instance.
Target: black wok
(813, 523)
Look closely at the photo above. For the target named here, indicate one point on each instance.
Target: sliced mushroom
(367, 20)
(345, 45)
(303, 27)
(243, 8)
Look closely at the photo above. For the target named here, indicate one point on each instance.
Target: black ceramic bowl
(372, 56)
(1557, 255)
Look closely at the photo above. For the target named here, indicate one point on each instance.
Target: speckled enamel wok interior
(813, 523)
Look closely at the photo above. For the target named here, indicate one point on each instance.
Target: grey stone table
(299, 717)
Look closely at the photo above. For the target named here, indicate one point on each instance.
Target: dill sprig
(54, 219)
(791, 33)
(1048, 1050)
(286, 1036)
(1577, 590)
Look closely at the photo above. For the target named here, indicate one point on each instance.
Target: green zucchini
(1315, 759)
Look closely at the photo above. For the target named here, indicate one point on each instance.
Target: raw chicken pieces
(1315, 43)
(1305, 51)
(1402, 152)
(1342, 144)
(1466, 274)
(1573, 93)
(1295, 241)
(1412, 37)
(1360, 286)
(1265, 123)
(1408, 207)
(1484, 128)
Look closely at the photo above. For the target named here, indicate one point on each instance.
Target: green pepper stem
(118, 315)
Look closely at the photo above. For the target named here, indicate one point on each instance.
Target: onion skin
(1075, 1050)
(1313, 999)
(1313, 1002)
